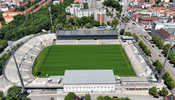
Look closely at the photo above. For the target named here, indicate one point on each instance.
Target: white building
(4, 8)
(162, 23)
(74, 8)
(89, 81)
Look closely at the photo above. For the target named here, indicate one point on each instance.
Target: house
(4, 8)
(167, 4)
(169, 12)
(147, 21)
(148, 4)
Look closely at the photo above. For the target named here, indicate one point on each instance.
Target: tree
(121, 31)
(156, 63)
(70, 96)
(114, 22)
(128, 34)
(165, 75)
(100, 98)
(107, 98)
(153, 90)
(88, 97)
(2, 96)
(160, 44)
(148, 52)
(163, 92)
(96, 23)
(13, 93)
(88, 25)
(135, 37)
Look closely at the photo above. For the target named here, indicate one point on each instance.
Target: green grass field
(54, 60)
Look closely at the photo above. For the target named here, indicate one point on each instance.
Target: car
(159, 55)
(83, 97)
(153, 46)
(124, 97)
(115, 97)
(156, 96)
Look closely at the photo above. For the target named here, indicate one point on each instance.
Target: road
(139, 95)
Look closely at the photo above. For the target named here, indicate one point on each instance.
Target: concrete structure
(100, 16)
(89, 81)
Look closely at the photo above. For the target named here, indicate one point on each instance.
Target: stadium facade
(89, 81)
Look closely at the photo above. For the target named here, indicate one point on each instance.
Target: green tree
(121, 31)
(13, 93)
(160, 44)
(135, 37)
(100, 98)
(165, 75)
(114, 22)
(156, 63)
(70, 96)
(88, 97)
(96, 23)
(153, 90)
(128, 34)
(2, 96)
(107, 98)
(88, 25)
(163, 92)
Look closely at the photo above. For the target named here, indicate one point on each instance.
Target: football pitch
(54, 60)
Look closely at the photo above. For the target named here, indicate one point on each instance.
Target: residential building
(99, 16)
(4, 8)
(73, 8)
(8, 15)
(165, 34)
(167, 4)
(148, 4)
(163, 22)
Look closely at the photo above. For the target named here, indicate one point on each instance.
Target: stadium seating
(25, 56)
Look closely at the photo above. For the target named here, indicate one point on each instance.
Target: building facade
(89, 81)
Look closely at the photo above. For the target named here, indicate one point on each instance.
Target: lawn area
(54, 60)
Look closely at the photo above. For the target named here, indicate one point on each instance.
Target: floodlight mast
(19, 75)
(162, 71)
(51, 19)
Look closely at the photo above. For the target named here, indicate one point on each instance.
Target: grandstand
(86, 37)
(25, 57)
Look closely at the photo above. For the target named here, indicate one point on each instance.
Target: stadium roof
(86, 32)
(89, 77)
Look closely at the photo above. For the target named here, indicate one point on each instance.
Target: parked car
(159, 55)
(156, 96)
(153, 46)
(124, 97)
(115, 97)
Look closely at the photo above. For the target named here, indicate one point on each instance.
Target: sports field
(54, 60)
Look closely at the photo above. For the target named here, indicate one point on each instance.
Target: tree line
(114, 4)
(144, 48)
(23, 25)
(167, 78)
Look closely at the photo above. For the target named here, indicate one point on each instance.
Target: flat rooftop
(87, 33)
(88, 77)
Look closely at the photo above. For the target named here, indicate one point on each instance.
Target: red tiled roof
(77, 0)
(12, 12)
(6, 22)
(169, 10)
(167, 2)
(162, 12)
(150, 18)
(148, 2)
(161, 8)
(130, 9)
(173, 14)
(151, 0)
(47, 2)
(36, 9)
(165, 33)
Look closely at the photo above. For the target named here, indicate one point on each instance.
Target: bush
(153, 91)
(135, 37)
(128, 34)
(88, 97)
(88, 25)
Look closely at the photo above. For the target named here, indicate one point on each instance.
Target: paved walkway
(133, 95)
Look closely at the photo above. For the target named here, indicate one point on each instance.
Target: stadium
(52, 60)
